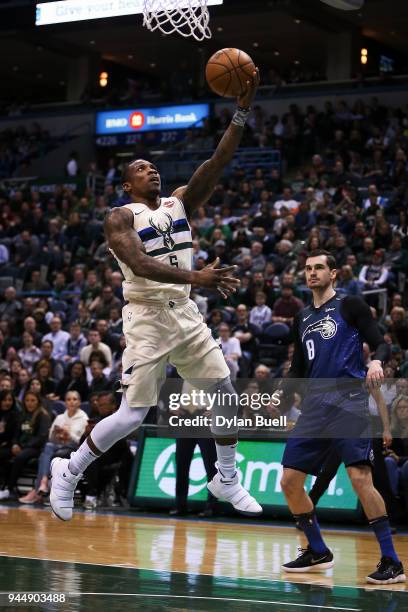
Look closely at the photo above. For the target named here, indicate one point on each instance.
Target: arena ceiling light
(65, 11)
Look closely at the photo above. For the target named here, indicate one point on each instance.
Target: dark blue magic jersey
(330, 339)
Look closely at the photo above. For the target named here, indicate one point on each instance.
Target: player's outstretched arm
(205, 178)
(125, 243)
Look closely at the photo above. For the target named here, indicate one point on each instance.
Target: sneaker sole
(400, 578)
(245, 513)
(216, 494)
(319, 567)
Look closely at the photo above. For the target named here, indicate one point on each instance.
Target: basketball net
(186, 17)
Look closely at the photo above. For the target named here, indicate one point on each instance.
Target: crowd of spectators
(60, 314)
(18, 145)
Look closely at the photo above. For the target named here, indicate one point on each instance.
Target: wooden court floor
(107, 562)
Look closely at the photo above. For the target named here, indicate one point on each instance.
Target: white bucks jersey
(166, 236)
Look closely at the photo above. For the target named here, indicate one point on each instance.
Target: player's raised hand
(252, 84)
(214, 277)
(375, 375)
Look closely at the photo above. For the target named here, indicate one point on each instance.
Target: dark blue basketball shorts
(330, 423)
(308, 455)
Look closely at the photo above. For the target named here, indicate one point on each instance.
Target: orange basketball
(228, 71)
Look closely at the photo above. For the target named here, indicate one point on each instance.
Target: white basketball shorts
(172, 332)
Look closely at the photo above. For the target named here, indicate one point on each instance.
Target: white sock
(80, 459)
(106, 433)
(226, 459)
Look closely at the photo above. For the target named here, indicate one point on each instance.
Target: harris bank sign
(151, 119)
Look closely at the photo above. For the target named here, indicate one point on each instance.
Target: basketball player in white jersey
(151, 240)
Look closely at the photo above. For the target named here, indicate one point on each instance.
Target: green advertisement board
(259, 464)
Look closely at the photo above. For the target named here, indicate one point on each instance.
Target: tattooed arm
(205, 178)
(125, 243)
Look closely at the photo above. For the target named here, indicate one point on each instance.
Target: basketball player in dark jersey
(329, 336)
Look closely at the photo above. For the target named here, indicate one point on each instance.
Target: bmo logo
(137, 120)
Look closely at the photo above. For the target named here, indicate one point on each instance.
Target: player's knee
(360, 478)
(289, 484)
(129, 418)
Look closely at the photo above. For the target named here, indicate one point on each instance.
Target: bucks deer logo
(164, 231)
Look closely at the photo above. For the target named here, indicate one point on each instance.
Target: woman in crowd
(15, 367)
(64, 436)
(396, 458)
(313, 242)
(231, 349)
(214, 321)
(397, 326)
(43, 372)
(35, 385)
(75, 380)
(9, 426)
(23, 381)
(29, 354)
(27, 444)
(84, 318)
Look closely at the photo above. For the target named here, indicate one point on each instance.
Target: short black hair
(331, 262)
(125, 177)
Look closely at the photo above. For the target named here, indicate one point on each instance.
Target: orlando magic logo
(326, 327)
(164, 231)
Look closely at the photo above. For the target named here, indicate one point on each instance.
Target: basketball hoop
(186, 17)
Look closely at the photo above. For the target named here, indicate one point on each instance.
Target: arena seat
(273, 342)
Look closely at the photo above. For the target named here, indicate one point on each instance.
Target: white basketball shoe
(231, 490)
(63, 485)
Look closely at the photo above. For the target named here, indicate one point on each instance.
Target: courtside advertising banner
(259, 469)
(151, 119)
